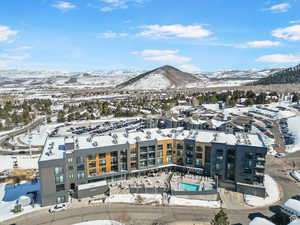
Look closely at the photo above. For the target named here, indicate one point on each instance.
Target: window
(70, 167)
(70, 159)
(71, 176)
(152, 148)
(80, 167)
(92, 164)
(159, 147)
(159, 154)
(102, 155)
(60, 187)
(92, 157)
(102, 162)
(61, 199)
(80, 160)
(179, 146)
(80, 175)
(159, 161)
(59, 179)
(199, 149)
(102, 170)
(169, 146)
(143, 149)
(189, 147)
(58, 170)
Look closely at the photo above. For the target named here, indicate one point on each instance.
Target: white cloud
(6, 33)
(189, 68)
(294, 21)
(259, 44)
(19, 57)
(152, 52)
(22, 48)
(279, 8)
(118, 4)
(4, 64)
(64, 6)
(169, 56)
(111, 34)
(176, 30)
(288, 33)
(279, 58)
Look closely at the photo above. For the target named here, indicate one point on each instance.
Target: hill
(162, 78)
(286, 76)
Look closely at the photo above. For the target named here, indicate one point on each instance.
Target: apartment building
(82, 166)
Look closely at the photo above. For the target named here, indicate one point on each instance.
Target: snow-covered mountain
(162, 78)
(239, 74)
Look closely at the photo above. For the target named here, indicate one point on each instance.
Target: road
(5, 138)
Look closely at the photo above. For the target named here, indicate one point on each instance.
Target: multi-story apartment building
(81, 165)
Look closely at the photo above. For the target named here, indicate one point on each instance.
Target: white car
(296, 175)
(57, 208)
(280, 155)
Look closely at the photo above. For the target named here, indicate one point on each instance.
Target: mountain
(162, 78)
(287, 76)
(239, 74)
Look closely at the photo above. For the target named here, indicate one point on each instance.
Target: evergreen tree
(295, 98)
(220, 218)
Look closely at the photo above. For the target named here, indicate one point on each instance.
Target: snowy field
(23, 162)
(273, 194)
(38, 135)
(294, 128)
(100, 222)
(134, 198)
(191, 202)
(10, 196)
(158, 199)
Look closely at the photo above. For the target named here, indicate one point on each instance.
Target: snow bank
(273, 194)
(191, 202)
(126, 198)
(100, 222)
(23, 162)
(135, 198)
(294, 128)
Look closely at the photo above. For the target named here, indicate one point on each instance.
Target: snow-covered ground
(294, 128)
(39, 135)
(10, 195)
(273, 194)
(135, 198)
(23, 162)
(158, 199)
(100, 222)
(191, 202)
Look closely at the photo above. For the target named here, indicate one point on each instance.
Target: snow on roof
(260, 221)
(295, 222)
(92, 185)
(292, 206)
(54, 147)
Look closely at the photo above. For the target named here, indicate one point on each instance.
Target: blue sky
(205, 35)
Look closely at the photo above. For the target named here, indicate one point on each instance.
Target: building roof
(260, 221)
(54, 146)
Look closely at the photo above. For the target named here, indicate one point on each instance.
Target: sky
(193, 35)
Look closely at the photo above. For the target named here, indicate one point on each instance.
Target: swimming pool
(189, 187)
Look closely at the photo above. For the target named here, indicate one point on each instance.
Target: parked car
(280, 155)
(296, 175)
(57, 208)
